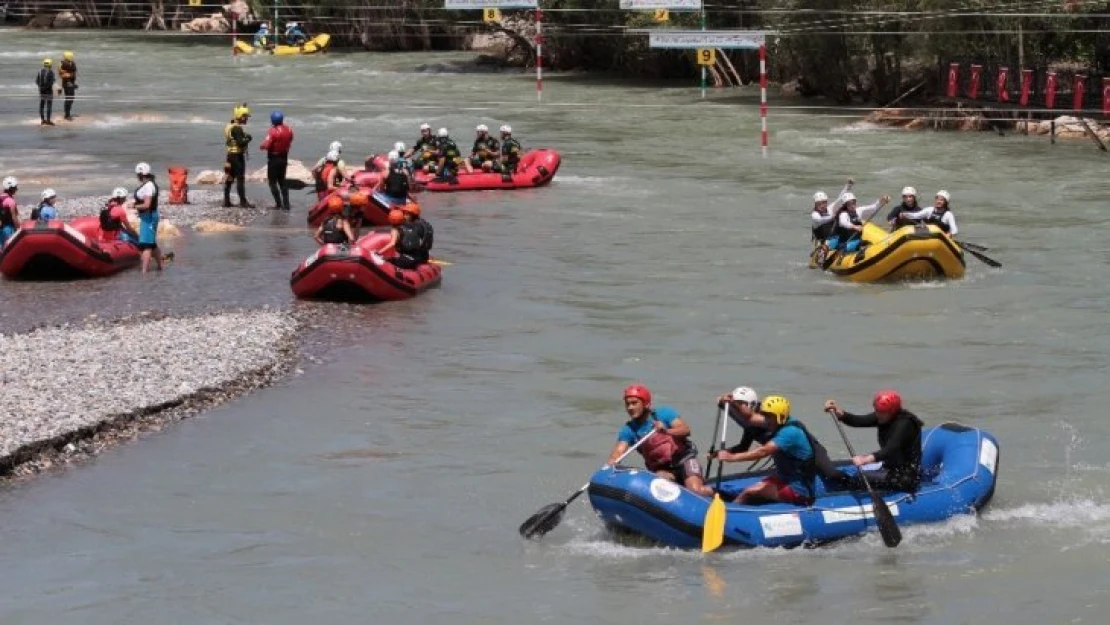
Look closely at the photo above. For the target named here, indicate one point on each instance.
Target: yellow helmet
(240, 111)
(777, 407)
(67, 55)
(47, 62)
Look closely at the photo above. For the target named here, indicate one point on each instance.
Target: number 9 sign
(707, 56)
(491, 16)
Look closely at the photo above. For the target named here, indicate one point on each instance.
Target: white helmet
(394, 155)
(332, 155)
(442, 132)
(848, 197)
(507, 129)
(820, 197)
(335, 147)
(424, 127)
(48, 193)
(290, 24)
(944, 194)
(10, 183)
(743, 393)
(399, 146)
(119, 193)
(142, 169)
(909, 191)
(481, 128)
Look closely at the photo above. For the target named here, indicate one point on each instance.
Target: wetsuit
(485, 149)
(236, 140)
(45, 82)
(899, 451)
(68, 73)
(277, 144)
(510, 155)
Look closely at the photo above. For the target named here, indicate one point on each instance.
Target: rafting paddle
(713, 529)
(549, 516)
(888, 527)
(974, 246)
(983, 257)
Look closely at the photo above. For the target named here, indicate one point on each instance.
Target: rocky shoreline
(73, 391)
(968, 119)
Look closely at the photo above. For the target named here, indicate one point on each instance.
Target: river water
(385, 481)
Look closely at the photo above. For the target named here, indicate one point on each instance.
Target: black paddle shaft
(888, 527)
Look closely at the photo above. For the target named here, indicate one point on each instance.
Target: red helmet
(335, 204)
(396, 217)
(638, 391)
(887, 401)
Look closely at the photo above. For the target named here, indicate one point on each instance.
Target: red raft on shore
(351, 273)
(536, 168)
(56, 250)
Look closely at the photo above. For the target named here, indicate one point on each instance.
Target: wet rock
(209, 225)
(55, 414)
(214, 23)
(68, 19)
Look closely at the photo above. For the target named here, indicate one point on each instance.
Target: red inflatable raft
(536, 168)
(55, 250)
(375, 213)
(338, 272)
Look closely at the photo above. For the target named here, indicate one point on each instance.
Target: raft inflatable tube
(319, 43)
(536, 168)
(914, 252)
(351, 274)
(55, 250)
(960, 468)
(375, 213)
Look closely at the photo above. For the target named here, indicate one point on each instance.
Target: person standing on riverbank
(45, 82)
(68, 73)
(276, 145)
(146, 204)
(236, 140)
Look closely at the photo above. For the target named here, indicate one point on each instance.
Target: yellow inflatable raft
(921, 252)
(319, 43)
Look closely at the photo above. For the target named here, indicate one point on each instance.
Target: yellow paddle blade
(441, 263)
(713, 530)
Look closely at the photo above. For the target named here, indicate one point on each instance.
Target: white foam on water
(1060, 514)
(326, 121)
(862, 126)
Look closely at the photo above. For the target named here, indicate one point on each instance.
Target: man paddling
(669, 453)
(899, 442)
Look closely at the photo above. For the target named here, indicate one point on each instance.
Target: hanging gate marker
(491, 13)
(706, 42)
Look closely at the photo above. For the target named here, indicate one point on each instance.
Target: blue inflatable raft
(959, 469)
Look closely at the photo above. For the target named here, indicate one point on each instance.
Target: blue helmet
(277, 117)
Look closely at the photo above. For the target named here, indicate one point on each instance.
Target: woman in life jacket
(849, 224)
(114, 225)
(329, 174)
(336, 229)
(792, 449)
(46, 211)
(397, 182)
(942, 214)
(668, 450)
(410, 239)
(9, 209)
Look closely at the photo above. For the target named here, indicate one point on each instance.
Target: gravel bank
(72, 391)
(204, 205)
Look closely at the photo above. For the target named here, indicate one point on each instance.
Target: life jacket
(447, 147)
(397, 183)
(937, 219)
(790, 468)
(489, 145)
(660, 450)
(333, 233)
(68, 71)
(899, 220)
(45, 81)
(429, 236)
(280, 139)
(327, 173)
(153, 198)
(36, 212)
(107, 222)
(179, 185)
(510, 150)
(845, 233)
(413, 240)
(903, 466)
(825, 230)
(7, 218)
(233, 146)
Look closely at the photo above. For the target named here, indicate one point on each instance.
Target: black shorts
(147, 246)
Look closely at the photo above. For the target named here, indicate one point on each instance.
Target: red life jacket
(279, 140)
(660, 451)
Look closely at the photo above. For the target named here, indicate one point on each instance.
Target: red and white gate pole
(539, 54)
(763, 96)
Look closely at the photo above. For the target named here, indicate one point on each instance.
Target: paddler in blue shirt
(669, 452)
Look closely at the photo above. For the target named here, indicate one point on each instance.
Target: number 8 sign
(707, 56)
(491, 16)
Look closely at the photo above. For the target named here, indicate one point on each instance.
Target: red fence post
(953, 78)
(973, 89)
(1077, 90)
(1106, 96)
(1050, 91)
(1001, 86)
(1026, 86)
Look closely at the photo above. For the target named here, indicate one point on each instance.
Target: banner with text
(697, 39)
(490, 4)
(674, 5)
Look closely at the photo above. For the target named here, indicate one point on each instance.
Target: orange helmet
(396, 217)
(359, 199)
(335, 204)
(411, 207)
